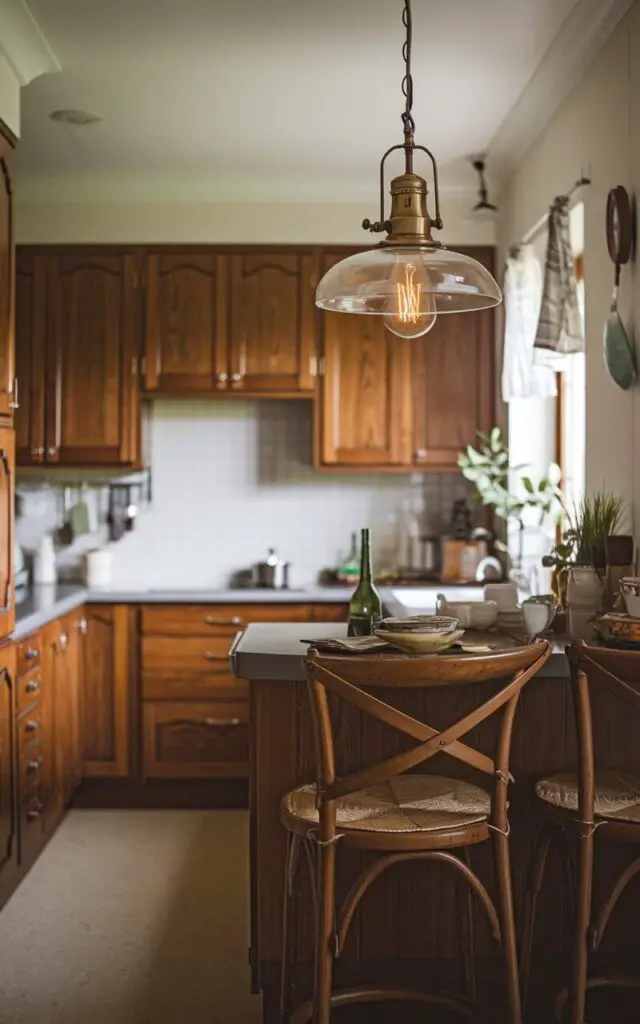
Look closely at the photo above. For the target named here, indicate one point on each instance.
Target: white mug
(504, 594)
(538, 616)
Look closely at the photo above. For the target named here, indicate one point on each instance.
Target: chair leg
(291, 863)
(577, 998)
(468, 951)
(536, 877)
(325, 934)
(507, 927)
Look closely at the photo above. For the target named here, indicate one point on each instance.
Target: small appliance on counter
(20, 574)
(273, 573)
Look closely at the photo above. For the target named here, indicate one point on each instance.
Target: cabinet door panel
(7, 466)
(272, 322)
(92, 398)
(188, 740)
(7, 398)
(106, 693)
(185, 322)
(31, 320)
(8, 788)
(453, 387)
(365, 397)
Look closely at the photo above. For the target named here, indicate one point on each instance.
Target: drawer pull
(31, 726)
(32, 686)
(34, 766)
(34, 813)
(64, 641)
(31, 653)
(210, 620)
(222, 721)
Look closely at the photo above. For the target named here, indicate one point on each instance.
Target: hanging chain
(407, 81)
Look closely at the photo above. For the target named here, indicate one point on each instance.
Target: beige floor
(132, 917)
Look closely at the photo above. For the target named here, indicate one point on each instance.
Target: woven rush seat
(406, 803)
(617, 794)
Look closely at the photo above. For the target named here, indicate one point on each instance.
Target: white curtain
(521, 376)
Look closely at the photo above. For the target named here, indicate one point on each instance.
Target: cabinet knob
(30, 726)
(34, 766)
(31, 654)
(37, 452)
(64, 640)
(236, 377)
(51, 451)
(421, 453)
(83, 626)
(32, 686)
(210, 656)
(223, 378)
(34, 813)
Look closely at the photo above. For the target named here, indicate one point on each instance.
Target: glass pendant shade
(408, 285)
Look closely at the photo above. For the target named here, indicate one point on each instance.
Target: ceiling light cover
(409, 278)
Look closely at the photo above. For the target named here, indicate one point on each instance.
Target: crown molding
(582, 35)
(23, 43)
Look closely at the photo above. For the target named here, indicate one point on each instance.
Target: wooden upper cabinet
(364, 412)
(272, 322)
(31, 320)
(185, 324)
(7, 373)
(7, 473)
(92, 391)
(453, 384)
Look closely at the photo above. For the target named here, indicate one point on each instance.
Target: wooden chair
(589, 802)
(406, 817)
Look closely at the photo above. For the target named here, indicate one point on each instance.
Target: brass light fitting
(409, 278)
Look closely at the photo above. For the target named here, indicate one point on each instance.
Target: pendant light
(483, 212)
(409, 279)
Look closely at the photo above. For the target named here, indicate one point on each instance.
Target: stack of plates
(510, 620)
(421, 634)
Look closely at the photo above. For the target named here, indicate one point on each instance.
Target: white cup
(538, 616)
(505, 596)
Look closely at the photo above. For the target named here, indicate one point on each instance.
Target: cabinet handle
(15, 404)
(83, 626)
(236, 377)
(37, 452)
(52, 451)
(34, 813)
(222, 721)
(31, 653)
(223, 378)
(34, 766)
(210, 656)
(421, 453)
(210, 620)
(31, 726)
(32, 686)
(64, 640)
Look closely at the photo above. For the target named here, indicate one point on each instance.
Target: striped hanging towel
(560, 323)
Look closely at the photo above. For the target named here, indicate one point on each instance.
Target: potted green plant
(487, 467)
(589, 523)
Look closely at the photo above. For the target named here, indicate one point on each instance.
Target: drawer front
(214, 685)
(30, 728)
(28, 653)
(170, 656)
(205, 619)
(330, 613)
(32, 772)
(29, 689)
(188, 740)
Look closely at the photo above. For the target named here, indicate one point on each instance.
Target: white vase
(584, 601)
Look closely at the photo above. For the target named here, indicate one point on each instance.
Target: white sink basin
(423, 599)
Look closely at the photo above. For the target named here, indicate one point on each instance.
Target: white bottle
(44, 562)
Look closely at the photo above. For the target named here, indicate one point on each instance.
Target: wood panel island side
(408, 927)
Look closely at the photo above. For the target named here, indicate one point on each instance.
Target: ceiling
(272, 99)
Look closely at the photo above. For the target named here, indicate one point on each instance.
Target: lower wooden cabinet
(108, 693)
(8, 815)
(195, 740)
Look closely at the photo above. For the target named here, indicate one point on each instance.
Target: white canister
(98, 564)
(44, 562)
(584, 601)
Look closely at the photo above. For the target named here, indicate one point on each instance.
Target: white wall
(230, 480)
(45, 220)
(597, 132)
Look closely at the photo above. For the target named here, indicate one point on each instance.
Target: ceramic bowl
(470, 614)
(619, 628)
(420, 643)
(434, 625)
(630, 590)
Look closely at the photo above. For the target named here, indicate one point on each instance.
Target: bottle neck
(365, 558)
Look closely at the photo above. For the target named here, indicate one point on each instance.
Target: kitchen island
(408, 929)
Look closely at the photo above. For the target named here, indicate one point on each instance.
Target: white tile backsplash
(233, 478)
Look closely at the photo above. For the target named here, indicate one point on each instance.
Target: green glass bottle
(365, 607)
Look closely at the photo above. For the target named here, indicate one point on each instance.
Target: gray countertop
(274, 651)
